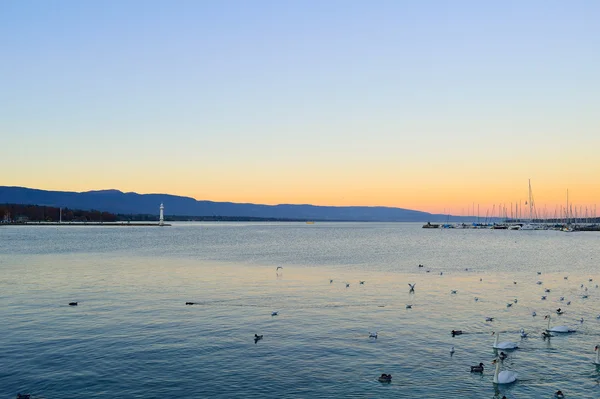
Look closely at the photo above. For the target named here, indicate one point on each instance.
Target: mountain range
(118, 202)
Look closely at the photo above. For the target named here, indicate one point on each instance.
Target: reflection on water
(133, 336)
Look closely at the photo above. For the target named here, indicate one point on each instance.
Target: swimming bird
(412, 286)
(456, 332)
(547, 290)
(257, 338)
(514, 282)
(503, 345)
(590, 280)
(562, 298)
(347, 285)
(546, 334)
(441, 273)
(385, 378)
(559, 311)
(557, 329)
(453, 291)
(489, 319)
(361, 282)
(523, 333)
(476, 299)
(597, 360)
(504, 377)
(581, 286)
(477, 369)
(539, 273)
(480, 279)
(543, 297)
(539, 282)
(598, 317)
(559, 395)
(533, 313)
(420, 265)
(274, 313)
(515, 300)
(452, 351)
(502, 355)
(568, 303)
(279, 267)
(508, 305)
(72, 303)
(408, 306)
(584, 296)
(373, 335)
(190, 303)
(581, 320)
(330, 281)
(566, 277)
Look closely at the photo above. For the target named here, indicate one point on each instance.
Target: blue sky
(333, 102)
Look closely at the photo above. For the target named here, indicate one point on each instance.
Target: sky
(428, 105)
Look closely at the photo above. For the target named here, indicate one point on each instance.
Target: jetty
(71, 224)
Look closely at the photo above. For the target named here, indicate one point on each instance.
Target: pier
(106, 224)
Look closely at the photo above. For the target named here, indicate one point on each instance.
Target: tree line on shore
(20, 213)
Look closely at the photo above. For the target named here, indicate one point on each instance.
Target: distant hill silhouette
(118, 202)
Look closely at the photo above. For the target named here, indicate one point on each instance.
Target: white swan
(558, 329)
(504, 377)
(503, 345)
(597, 361)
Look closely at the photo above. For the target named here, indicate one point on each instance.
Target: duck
(508, 305)
(347, 285)
(557, 329)
(23, 396)
(385, 378)
(533, 313)
(514, 282)
(597, 360)
(562, 298)
(559, 394)
(453, 291)
(566, 277)
(412, 287)
(373, 335)
(274, 313)
(72, 303)
(361, 282)
(559, 311)
(539, 273)
(456, 332)
(581, 320)
(546, 334)
(504, 377)
(477, 369)
(539, 282)
(257, 337)
(547, 290)
(543, 297)
(187, 303)
(515, 300)
(503, 345)
(476, 299)
(489, 319)
(502, 356)
(420, 265)
(523, 333)
(330, 280)
(568, 303)
(408, 306)
(590, 280)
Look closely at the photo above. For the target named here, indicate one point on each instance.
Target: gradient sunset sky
(429, 105)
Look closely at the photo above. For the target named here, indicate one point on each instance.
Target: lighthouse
(161, 221)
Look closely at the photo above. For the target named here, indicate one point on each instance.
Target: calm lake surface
(132, 336)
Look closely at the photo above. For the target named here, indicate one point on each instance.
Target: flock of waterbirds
(500, 377)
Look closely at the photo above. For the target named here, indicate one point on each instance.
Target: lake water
(132, 336)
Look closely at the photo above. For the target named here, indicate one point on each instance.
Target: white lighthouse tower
(161, 221)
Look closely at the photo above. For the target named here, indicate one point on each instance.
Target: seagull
(274, 313)
(373, 335)
(412, 286)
